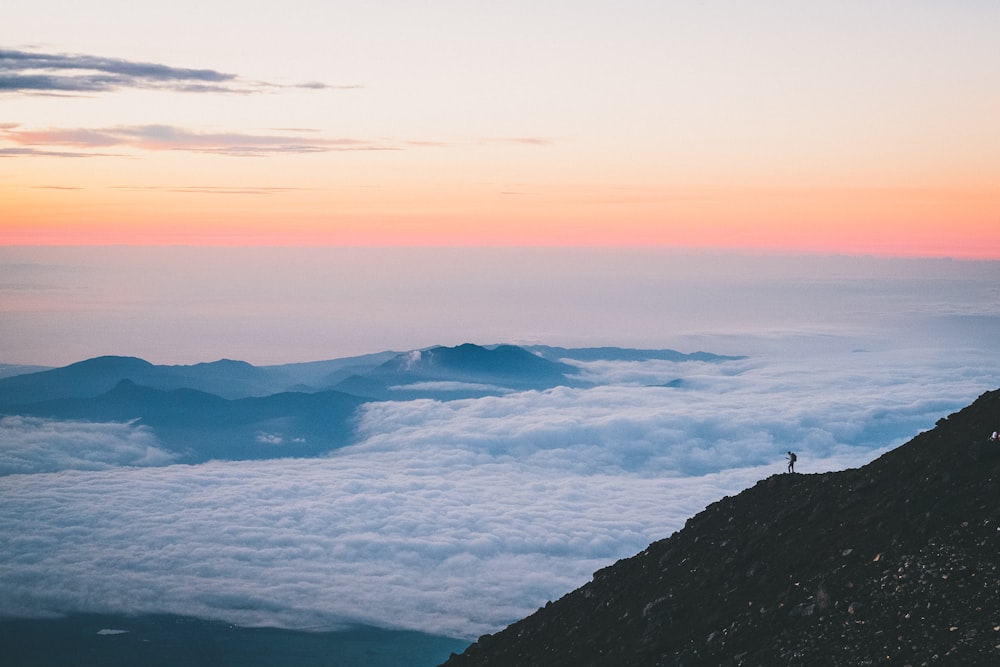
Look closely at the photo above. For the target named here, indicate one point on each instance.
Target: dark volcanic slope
(895, 563)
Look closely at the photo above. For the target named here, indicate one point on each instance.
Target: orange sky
(956, 223)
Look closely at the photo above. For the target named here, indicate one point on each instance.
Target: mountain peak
(111, 363)
(225, 364)
(893, 563)
(508, 365)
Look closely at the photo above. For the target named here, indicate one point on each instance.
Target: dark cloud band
(24, 71)
(29, 72)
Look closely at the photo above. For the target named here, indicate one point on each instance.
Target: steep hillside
(894, 563)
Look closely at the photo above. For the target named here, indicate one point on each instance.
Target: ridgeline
(893, 563)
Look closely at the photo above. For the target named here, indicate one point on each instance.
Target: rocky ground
(894, 563)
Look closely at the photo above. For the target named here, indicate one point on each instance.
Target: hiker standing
(792, 458)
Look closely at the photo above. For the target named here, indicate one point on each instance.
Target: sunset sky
(836, 127)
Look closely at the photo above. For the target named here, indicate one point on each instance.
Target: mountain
(440, 372)
(463, 371)
(9, 370)
(85, 378)
(893, 563)
(200, 426)
(624, 354)
(317, 375)
(226, 378)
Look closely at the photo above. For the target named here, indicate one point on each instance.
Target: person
(792, 458)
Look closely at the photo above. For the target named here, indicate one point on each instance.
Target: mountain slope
(895, 563)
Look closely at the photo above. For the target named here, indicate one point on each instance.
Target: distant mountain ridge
(199, 426)
(464, 371)
(625, 354)
(9, 370)
(896, 562)
(101, 374)
(507, 366)
(232, 409)
(226, 377)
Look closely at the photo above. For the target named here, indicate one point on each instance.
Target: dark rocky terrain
(894, 563)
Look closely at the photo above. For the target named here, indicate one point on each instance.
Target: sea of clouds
(454, 518)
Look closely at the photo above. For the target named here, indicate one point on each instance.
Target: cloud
(35, 152)
(42, 142)
(448, 386)
(523, 141)
(61, 73)
(212, 190)
(275, 438)
(459, 517)
(33, 445)
(730, 415)
(388, 539)
(172, 138)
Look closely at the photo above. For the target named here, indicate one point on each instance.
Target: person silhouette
(792, 458)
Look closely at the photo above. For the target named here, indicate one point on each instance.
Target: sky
(185, 305)
(829, 127)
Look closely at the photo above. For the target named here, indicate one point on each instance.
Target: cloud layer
(457, 517)
(31, 445)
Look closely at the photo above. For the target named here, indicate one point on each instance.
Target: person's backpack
(793, 457)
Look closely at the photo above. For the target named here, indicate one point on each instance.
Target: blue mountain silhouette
(624, 354)
(226, 378)
(199, 426)
(463, 371)
(232, 409)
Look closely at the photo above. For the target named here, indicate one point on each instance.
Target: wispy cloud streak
(172, 138)
(62, 73)
(23, 151)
